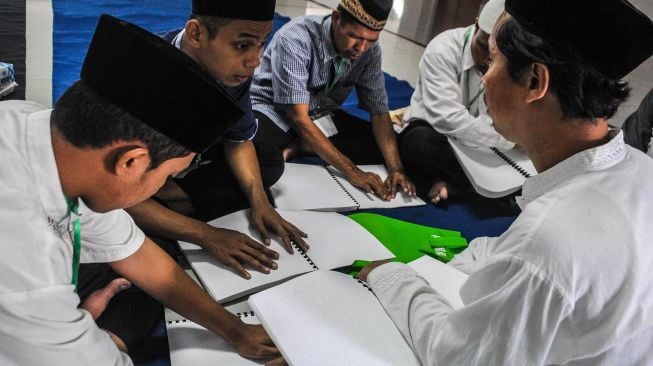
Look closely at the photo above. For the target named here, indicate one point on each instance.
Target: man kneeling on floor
(569, 283)
(110, 142)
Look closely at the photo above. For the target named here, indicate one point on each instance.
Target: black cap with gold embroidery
(257, 10)
(158, 84)
(371, 13)
(610, 35)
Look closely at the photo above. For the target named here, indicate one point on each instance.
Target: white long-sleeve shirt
(569, 283)
(448, 94)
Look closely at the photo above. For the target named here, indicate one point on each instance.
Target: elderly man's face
(352, 40)
(480, 49)
(502, 94)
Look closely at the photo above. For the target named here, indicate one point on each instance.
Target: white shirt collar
(468, 59)
(177, 40)
(649, 150)
(598, 158)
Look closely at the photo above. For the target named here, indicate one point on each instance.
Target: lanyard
(481, 89)
(73, 208)
(339, 65)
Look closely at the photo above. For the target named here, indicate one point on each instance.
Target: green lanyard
(73, 208)
(481, 89)
(340, 63)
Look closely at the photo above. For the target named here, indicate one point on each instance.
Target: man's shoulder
(14, 115)
(301, 28)
(20, 107)
(452, 39)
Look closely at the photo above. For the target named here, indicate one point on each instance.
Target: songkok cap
(610, 35)
(258, 10)
(371, 13)
(158, 84)
(489, 15)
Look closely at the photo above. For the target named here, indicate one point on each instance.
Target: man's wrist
(233, 330)
(395, 169)
(258, 198)
(350, 169)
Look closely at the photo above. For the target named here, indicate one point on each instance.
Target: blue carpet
(74, 23)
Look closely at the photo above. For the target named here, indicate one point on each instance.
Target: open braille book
(335, 241)
(329, 318)
(493, 172)
(192, 344)
(325, 188)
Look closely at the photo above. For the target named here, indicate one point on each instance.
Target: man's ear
(335, 17)
(538, 82)
(131, 161)
(192, 32)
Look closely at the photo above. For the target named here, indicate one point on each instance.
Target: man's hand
(236, 249)
(264, 217)
(399, 179)
(252, 341)
(369, 182)
(97, 301)
(362, 275)
(277, 362)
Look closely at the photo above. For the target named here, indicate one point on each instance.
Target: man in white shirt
(448, 103)
(570, 281)
(110, 142)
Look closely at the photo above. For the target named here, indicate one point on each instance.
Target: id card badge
(326, 125)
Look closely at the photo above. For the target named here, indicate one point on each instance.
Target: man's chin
(237, 80)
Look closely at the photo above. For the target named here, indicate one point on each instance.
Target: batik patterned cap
(371, 13)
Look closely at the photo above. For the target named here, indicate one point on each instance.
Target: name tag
(326, 125)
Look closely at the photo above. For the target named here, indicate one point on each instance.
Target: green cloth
(408, 241)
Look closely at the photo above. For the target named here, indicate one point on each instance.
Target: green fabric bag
(408, 241)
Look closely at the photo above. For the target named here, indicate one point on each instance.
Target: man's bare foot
(296, 147)
(118, 341)
(440, 191)
(290, 151)
(98, 300)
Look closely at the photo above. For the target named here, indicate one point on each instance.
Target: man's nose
(362, 45)
(254, 58)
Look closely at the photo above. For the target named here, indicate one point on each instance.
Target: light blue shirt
(298, 64)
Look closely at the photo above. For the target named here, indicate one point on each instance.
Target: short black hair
(212, 23)
(87, 120)
(583, 91)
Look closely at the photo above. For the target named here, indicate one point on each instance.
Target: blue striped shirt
(298, 63)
